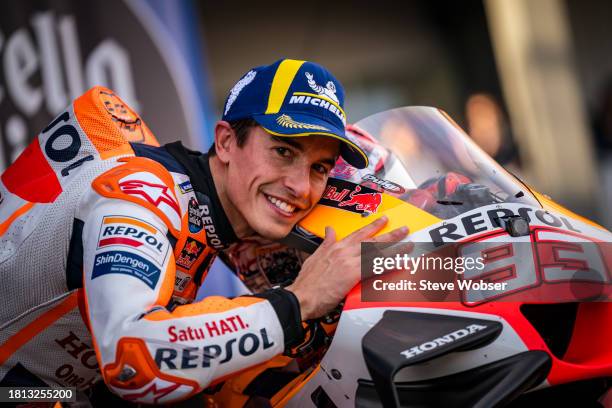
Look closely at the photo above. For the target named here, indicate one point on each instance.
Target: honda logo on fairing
(439, 341)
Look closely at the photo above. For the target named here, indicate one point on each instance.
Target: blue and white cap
(292, 98)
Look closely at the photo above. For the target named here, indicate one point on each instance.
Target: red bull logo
(190, 253)
(192, 248)
(366, 202)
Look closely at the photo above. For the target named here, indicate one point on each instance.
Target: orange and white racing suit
(104, 240)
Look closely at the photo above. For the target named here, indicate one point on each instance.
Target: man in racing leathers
(105, 238)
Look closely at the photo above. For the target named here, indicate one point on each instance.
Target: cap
(292, 98)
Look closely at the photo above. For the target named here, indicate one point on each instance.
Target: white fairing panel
(345, 355)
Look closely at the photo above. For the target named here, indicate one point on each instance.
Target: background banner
(149, 52)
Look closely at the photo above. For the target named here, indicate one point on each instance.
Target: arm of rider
(334, 268)
(148, 353)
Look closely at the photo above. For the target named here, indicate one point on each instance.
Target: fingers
(392, 236)
(388, 244)
(330, 236)
(368, 230)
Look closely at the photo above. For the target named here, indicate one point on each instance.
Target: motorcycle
(544, 338)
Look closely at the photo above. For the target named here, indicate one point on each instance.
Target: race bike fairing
(425, 173)
(422, 157)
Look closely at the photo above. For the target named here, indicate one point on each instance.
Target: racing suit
(104, 240)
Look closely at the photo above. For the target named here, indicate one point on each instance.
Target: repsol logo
(212, 238)
(474, 223)
(440, 341)
(131, 232)
(194, 357)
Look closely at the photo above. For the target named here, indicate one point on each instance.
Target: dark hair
(241, 127)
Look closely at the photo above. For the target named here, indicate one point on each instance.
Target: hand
(334, 268)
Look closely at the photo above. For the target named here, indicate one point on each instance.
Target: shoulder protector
(109, 123)
(144, 182)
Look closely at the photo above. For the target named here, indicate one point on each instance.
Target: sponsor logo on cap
(247, 79)
(288, 122)
(325, 97)
(329, 90)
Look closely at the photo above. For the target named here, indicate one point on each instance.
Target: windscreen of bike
(420, 155)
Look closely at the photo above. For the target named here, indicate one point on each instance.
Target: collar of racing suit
(198, 169)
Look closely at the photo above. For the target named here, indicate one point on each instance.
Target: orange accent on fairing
(107, 184)
(18, 213)
(242, 382)
(134, 352)
(549, 204)
(110, 124)
(210, 304)
(345, 222)
(32, 329)
(232, 392)
(281, 398)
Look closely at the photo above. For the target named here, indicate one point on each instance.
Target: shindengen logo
(440, 341)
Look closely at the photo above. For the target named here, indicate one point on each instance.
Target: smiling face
(270, 183)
